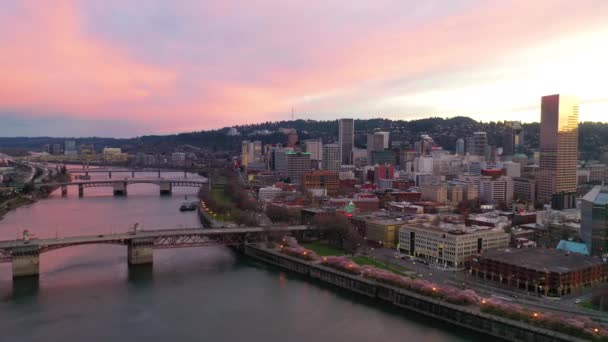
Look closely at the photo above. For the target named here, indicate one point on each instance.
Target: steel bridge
(25, 255)
(131, 171)
(120, 186)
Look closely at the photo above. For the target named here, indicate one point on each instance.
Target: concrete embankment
(466, 317)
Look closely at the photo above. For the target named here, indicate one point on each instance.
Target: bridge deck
(124, 237)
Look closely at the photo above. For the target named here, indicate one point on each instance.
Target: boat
(188, 206)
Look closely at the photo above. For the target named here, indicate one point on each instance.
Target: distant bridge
(131, 171)
(120, 186)
(25, 255)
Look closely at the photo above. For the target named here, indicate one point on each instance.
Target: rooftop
(541, 259)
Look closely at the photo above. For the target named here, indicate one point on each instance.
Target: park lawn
(363, 260)
(323, 249)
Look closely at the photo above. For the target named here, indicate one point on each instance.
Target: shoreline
(461, 316)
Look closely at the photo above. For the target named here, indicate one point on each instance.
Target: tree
(339, 231)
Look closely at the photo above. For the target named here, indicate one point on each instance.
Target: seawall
(462, 316)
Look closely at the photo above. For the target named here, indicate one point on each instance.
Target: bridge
(120, 186)
(131, 171)
(25, 254)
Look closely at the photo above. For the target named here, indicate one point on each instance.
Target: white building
(269, 193)
(512, 169)
(423, 165)
(448, 244)
(315, 148)
(331, 157)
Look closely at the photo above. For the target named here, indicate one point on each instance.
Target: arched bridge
(120, 186)
(25, 255)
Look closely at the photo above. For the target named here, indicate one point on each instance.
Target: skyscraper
(460, 146)
(69, 148)
(513, 138)
(331, 157)
(315, 148)
(346, 139)
(558, 146)
(251, 152)
(594, 220)
(298, 163)
(480, 144)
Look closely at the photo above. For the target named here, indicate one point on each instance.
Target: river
(87, 293)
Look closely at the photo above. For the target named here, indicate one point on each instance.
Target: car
(100, 235)
(577, 301)
(514, 296)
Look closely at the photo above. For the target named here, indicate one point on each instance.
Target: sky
(126, 68)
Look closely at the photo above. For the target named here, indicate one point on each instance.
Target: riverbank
(15, 203)
(463, 316)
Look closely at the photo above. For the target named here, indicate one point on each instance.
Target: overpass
(120, 186)
(25, 254)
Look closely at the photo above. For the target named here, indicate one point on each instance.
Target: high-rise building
(251, 152)
(385, 139)
(558, 146)
(594, 220)
(513, 138)
(346, 139)
(298, 163)
(425, 145)
(384, 171)
(383, 157)
(321, 179)
(69, 148)
(496, 190)
(315, 148)
(56, 149)
(331, 158)
(480, 144)
(460, 146)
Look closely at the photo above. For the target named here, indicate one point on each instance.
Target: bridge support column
(120, 189)
(110, 174)
(26, 262)
(185, 174)
(158, 173)
(132, 174)
(166, 188)
(80, 190)
(64, 191)
(140, 252)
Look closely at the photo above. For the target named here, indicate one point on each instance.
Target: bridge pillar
(86, 173)
(140, 252)
(80, 190)
(132, 174)
(64, 190)
(185, 174)
(158, 173)
(120, 189)
(166, 188)
(26, 262)
(110, 174)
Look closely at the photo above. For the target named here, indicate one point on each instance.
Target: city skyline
(133, 69)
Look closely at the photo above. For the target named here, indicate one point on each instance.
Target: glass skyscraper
(558, 146)
(594, 220)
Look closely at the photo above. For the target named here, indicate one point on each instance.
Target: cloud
(192, 65)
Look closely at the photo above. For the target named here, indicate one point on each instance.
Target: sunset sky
(131, 67)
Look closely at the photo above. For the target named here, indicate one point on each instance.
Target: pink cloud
(51, 64)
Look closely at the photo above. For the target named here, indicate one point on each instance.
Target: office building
(558, 146)
(524, 189)
(321, 179)
(375, 142)
(69, 148)
(346, 140)
(56, 149)
(434, 193)
(594, 220)
(331, 158)
(513, 138)
(315, 148)
(292, 138)
(251, 152)
(496, 190)
(450, 244)
(480, 144)
(383, 157)
(460, 147)
(298, 163)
